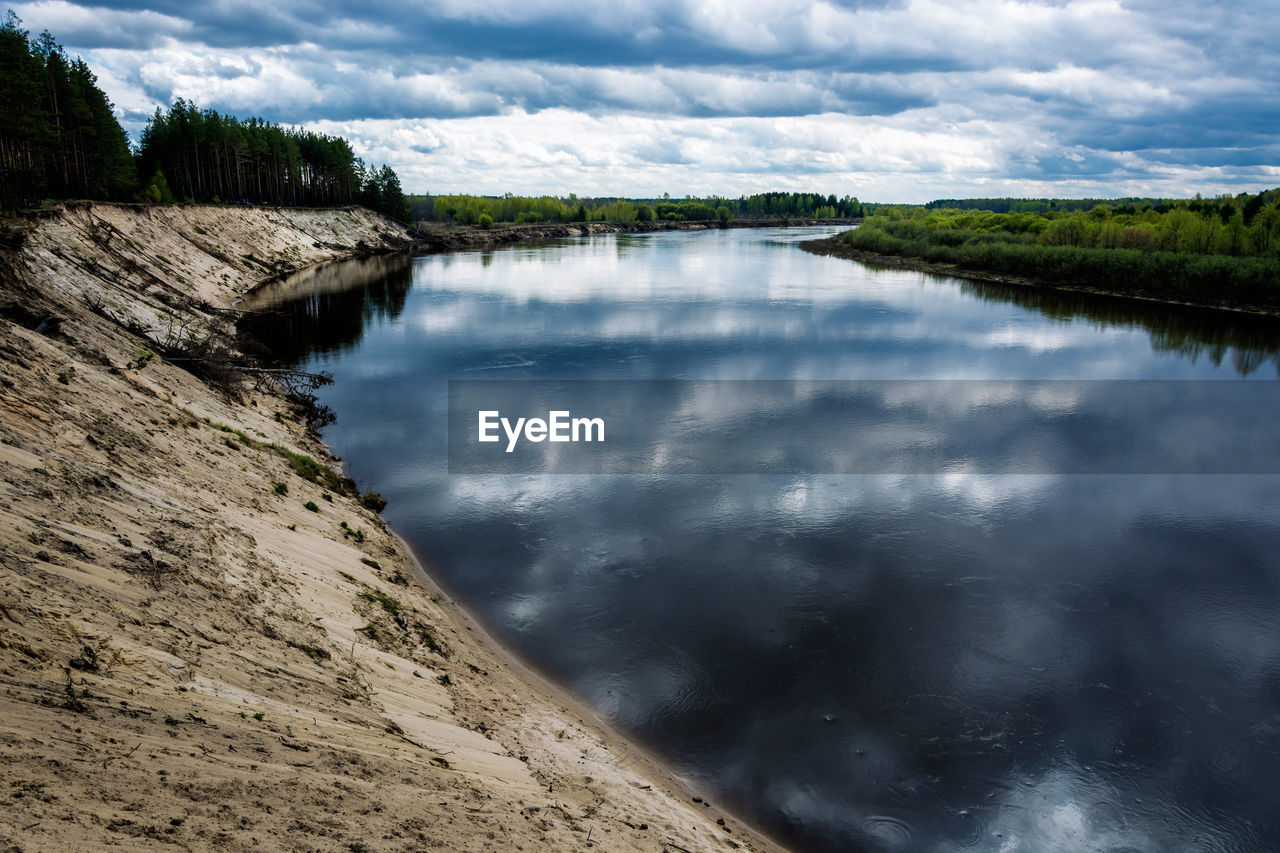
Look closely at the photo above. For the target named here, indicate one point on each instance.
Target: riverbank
(207, 637)
(836, 246)
(448, 238)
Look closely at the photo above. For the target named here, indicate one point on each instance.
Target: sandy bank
(207, 641)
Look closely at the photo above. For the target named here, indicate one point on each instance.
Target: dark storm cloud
(625, 34)
(978, 90)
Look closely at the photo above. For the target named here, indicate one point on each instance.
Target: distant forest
(1132, 204)
(59, 139)
(487, 210)
(1221, 251)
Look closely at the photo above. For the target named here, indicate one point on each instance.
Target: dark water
(953, 661)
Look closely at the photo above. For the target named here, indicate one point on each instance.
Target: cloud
(914, 99)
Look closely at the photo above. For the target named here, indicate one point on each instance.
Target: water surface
(953, 661)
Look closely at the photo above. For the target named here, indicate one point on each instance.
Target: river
(994, 652)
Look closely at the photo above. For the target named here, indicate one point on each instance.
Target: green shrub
(383, 600)
(312, 471)
(1064, 255)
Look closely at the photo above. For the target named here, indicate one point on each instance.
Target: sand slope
(192, 659)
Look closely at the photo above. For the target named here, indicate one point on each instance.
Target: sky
(886, 100)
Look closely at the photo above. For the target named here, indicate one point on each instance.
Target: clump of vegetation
(429, 640)
(142, 357)
(312, 471)
(259, 716)
(371, 563)
(386, 602)
(281, 488)
(351, 532)
(373, 501)
(311, 505)
(240, 434)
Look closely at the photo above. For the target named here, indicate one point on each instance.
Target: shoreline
(835, 247)
(630, 751)
(206, 638)
(447, 238)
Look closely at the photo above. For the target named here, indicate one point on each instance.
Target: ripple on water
(1110, 815)
(888, 832)
(1076, 597)
(968, 828)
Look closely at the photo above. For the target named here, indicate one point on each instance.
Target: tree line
(59, 138)
(204, 156)
(1224, 206)
(1244, 225)
(1224, 251)
(58, 135)
(487, 210)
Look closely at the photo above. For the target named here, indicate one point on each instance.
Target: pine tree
(25, 131)
(58, 135)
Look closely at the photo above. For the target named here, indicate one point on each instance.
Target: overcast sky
(887, 100)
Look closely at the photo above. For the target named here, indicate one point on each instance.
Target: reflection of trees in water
(1251, 340)
(327, 309)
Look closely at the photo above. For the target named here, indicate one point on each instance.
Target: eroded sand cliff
(190, 657)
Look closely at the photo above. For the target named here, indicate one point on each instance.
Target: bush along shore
(1178, 256)
(208, 637)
